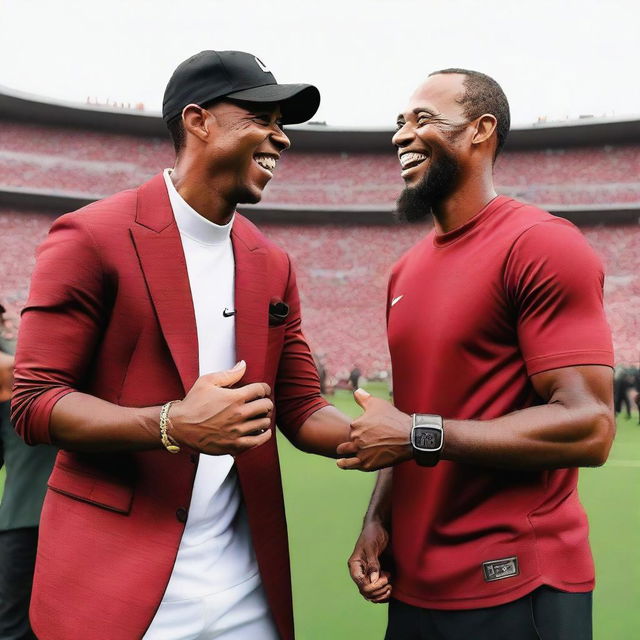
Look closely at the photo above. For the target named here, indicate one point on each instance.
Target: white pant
(239, 613)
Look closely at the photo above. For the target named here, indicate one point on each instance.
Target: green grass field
(325, 507)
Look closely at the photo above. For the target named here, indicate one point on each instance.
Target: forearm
(322, 432)
(379, 510)
(80, 422)
(574, 428)
(542, 437)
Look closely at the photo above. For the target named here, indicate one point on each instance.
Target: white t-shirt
(216, 551)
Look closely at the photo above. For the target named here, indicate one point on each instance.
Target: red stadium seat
(342, 274)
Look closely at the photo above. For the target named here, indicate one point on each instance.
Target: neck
(199, 191)
(472, 195)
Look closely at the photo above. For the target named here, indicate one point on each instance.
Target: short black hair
(176, 128)
(176, 133)
(484, 95)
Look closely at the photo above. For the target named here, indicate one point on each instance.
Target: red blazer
(110, 314)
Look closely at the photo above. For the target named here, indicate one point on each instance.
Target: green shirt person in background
(27, 470)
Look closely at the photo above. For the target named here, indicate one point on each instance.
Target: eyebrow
(266, 111)
(429, 110)
(418, 110)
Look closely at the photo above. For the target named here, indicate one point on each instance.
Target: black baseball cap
(210, 75)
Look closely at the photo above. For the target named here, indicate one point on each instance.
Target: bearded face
(416, 203)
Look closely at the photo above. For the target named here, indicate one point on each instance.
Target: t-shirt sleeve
(555, 282)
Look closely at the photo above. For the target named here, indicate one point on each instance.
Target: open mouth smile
(410, 160)
(266, 162)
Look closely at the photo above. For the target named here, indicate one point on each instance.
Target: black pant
(17, 559)
(544, 614)
(623, 399)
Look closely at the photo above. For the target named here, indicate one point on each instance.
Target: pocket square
(278, 312)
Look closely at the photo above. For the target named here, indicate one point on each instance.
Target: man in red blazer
(168, 478)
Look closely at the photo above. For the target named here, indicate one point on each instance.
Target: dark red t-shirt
(472, 314)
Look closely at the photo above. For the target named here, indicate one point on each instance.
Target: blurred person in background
(623, 384)
(354, 377)
(27, 470)
(502, 365)
(318, 359)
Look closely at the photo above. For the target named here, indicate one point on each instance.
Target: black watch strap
(427, 438)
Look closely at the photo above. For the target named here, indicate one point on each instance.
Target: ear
(195, 120)
(486, 125)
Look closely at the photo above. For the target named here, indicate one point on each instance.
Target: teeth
(266, 162)
(408, 158)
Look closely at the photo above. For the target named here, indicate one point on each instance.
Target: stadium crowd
(88, 162)
(341, 269)
(342, 274)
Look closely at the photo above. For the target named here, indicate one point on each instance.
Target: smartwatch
(427, 438)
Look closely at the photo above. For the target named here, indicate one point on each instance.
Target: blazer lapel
(159, 248)
(251, 299)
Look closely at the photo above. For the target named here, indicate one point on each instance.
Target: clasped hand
(364, 564)
(380, 437)
(217, 420)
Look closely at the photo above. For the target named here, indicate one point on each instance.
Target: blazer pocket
(108, 494)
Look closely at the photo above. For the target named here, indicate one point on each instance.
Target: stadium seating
(342, 271)
(342, 275)
(20, 233)
(97, 164)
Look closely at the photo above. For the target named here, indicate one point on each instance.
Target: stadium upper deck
(97, 164)
(587, 170)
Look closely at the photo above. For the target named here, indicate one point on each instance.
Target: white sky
(554, 57)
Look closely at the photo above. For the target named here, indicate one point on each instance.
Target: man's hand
(217, 420)
(380, 437)
(364, 563)
(6, 376)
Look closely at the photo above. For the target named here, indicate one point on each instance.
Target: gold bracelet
(169, 443)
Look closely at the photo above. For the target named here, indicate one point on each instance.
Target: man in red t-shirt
(502, 367)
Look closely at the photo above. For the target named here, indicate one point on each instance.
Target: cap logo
(261, 65)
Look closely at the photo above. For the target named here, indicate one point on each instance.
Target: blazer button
(181, 515)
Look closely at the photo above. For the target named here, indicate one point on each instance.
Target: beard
(416, 203)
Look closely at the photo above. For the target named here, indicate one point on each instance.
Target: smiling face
(243, 149)
(431, 142)
(430, 125)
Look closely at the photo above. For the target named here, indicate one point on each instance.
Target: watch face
(427, 438)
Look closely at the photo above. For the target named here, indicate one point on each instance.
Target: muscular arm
(80, 422)
(574, 428)
(211, 418)
(379, 510)
(364, 562)
(308, 421)
(322, 432)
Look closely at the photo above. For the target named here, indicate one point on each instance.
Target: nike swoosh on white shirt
(397, 299)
